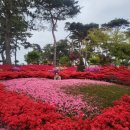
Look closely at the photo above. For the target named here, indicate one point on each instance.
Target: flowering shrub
(93, 69)
(21, 113)
(119, 75)
(25, 74)
(34, 68)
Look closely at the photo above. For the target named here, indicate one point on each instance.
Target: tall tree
(2, 47)
(111, 46)
(12, 14)
(78, 33)
(118, 39)
(19, 36)
(53, 11)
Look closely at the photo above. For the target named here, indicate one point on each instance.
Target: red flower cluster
(119, 75)
(109, 73)
(115, 118)
(27, 67)
(25, 74)
(33, 68)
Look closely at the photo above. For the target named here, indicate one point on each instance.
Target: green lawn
(101, 96)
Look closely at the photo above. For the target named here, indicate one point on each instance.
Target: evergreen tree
(53, 11)
(12, 23)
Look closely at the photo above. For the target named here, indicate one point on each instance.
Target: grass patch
(101, 96)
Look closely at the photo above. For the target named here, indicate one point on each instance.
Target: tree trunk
(15, 56)
(86, 63)
(7, 49)
(3, 58)
(7, 42)
(54, 38)
(54, 22)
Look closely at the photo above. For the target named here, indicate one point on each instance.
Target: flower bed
(20, 112)
(34, 68)
(51, 91)
(119, 75)
(25, 74)
(17, 111)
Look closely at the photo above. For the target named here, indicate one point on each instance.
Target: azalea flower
(52, 91)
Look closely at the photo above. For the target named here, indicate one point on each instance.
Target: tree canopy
(116, 23)
(13, 23)
(53, 11)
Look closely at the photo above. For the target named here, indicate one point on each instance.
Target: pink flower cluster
(51, 91)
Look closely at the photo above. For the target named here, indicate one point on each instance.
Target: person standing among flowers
(57, 76)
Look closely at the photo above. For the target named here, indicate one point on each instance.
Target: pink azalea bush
(51, 91)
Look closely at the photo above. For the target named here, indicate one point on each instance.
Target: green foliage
(32, 57)
(117, 23)
(97, 36)
(81, 66)
(48, 52)
(62, 50)
(64, 60)
(110, 45)
(121, 52)
(96, 43)
(95, 60)
(105, 59)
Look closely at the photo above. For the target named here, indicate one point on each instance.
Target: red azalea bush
(5, 67)
(33, 68)
(26, 67)
(119, 75)
(21, 112)
(115, 118)
(25, 74)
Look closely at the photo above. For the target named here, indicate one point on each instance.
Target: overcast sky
(97, 11)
